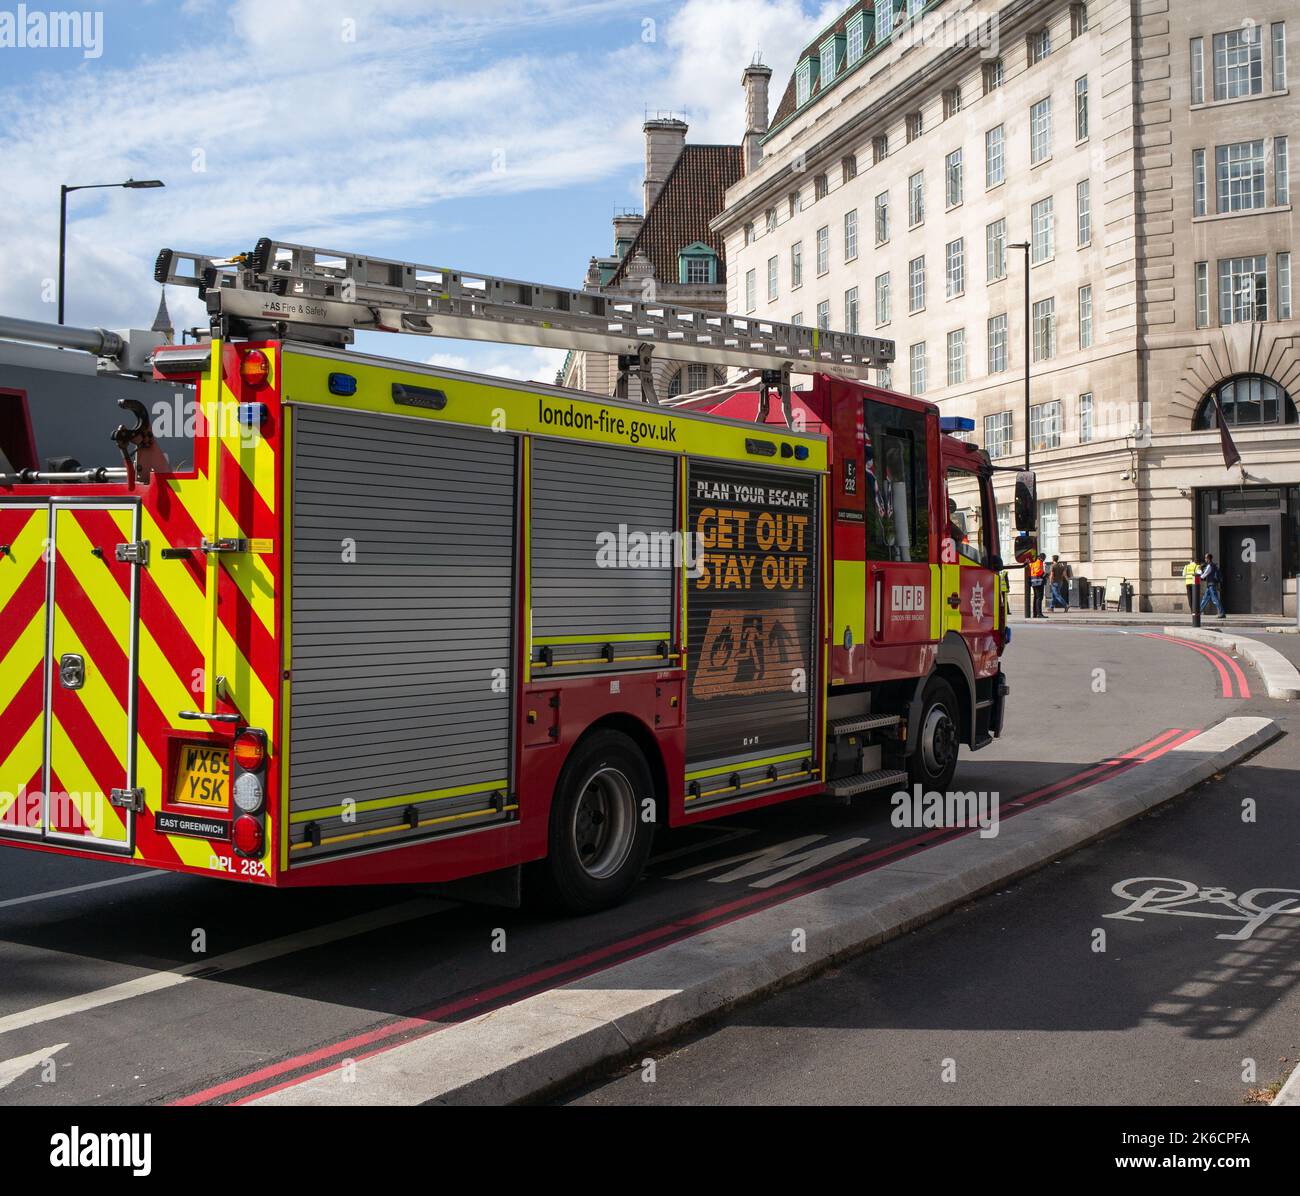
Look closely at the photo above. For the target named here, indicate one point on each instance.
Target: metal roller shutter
(402, 610)
(579, 493)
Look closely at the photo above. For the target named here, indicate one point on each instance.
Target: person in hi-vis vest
(1190, 570)
(1037, 569)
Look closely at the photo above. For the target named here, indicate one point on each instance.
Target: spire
(162, 322)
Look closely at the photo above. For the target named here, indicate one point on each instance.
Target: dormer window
(832, 48)
(697, 265)
(803, 82)
(855, 41)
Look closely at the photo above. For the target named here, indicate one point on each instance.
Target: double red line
(1228, 669)
(298, 1068)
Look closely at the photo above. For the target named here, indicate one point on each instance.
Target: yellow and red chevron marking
(198, 616)
(89, 725)
(22, 664)
(186, 640)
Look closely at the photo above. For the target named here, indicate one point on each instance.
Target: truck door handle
(72, 671)
(954, 600)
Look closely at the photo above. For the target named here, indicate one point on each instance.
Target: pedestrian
(1037, 571)
(1211, 579)
(1190, 570)
(1060, 575)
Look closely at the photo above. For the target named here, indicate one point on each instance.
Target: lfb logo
(905, 598)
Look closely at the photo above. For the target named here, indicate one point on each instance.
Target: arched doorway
(1250, 529)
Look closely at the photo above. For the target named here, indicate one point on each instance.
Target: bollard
(1196, 601)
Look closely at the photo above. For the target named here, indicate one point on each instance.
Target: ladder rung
(282, 282)
(865, 782)
(868, 722)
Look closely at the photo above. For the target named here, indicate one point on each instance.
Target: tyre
(934, 757)
(599, 840)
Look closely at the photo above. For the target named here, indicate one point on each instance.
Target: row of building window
(1039, 47)
(1242, 290)
(1043, 324)
(1238, 62)
(1040, 149)
(1046, 425)
(1241, 176)
(1042, 245)
(1242, 287)
(889, 16)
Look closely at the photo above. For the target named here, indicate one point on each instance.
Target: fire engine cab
(394, 623)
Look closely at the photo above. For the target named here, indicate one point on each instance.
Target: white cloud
(710, 42)
(283, 120)
(502, 361)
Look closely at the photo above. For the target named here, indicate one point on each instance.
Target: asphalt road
(110, 982)
(1043, 993)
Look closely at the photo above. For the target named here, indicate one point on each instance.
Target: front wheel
(934, 756)
(602, 825)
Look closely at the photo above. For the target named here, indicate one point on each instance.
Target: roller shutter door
(402, 605)
(752, 615)
(585, 602)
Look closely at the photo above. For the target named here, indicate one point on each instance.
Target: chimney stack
(755, 80)
(626, 227)
(664, 139)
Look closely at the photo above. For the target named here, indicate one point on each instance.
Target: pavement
(1076, 617)
(104, 968)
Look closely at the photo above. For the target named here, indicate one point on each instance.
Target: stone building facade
(1140, 150)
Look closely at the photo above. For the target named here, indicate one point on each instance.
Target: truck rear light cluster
(248, 788)
(255, 368)
(247, 835)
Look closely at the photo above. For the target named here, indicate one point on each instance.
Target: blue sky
(492, 135)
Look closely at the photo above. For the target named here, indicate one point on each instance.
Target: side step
(869, 722)
(865, 782)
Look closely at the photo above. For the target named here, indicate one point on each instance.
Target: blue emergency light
(956, 423)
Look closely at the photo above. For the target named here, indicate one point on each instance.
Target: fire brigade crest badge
(977, 602)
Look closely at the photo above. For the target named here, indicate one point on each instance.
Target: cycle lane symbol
(1182, 898)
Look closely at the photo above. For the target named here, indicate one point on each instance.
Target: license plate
(203, 778)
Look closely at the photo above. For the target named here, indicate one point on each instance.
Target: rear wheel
(934, 756)
(599, 837)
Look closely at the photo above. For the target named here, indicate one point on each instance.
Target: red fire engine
(396, 623)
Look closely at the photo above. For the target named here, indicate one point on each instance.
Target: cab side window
(896, 471)
(967, 533)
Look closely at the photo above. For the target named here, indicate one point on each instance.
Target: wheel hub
(604, 823)
(938, 740)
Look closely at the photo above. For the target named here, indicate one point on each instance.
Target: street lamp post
(64, 189)
(1024, 245)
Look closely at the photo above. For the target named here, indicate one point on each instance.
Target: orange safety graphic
(747, 652)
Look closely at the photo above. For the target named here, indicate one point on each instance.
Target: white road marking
(11, 1069)
(95, 884)
(151, 982)
(784, 860)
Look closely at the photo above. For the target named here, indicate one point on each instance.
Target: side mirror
(1026, 501)
(1026, 548)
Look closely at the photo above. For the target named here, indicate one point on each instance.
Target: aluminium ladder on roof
(281, 283)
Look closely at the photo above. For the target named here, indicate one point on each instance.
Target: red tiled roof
(787, 105)
(692, 195)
